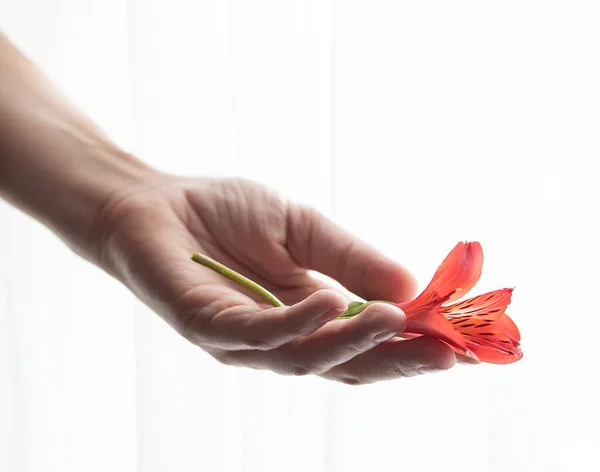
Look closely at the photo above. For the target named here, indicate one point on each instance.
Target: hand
(147, 234)
(141, 226)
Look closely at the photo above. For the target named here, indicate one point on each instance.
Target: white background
(413, 124)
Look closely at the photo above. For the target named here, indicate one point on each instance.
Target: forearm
(54, 163)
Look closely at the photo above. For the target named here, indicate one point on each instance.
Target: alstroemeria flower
(477, 327)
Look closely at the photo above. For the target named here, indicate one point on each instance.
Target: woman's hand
(145, 236)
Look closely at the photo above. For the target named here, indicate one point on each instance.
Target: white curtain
(414, 125)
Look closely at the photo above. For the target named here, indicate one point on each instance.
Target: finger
(335, 343)
(395, 359)
(246, 327)
(317, 243)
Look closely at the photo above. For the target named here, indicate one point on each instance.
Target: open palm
(149, 232)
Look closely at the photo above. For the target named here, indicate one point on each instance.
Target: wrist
(106, 175)
(66, 176)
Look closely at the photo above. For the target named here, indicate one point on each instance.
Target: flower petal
(496, 342)
(495, 356)
(423, 317)
(459, 272)
(489, 306)
(508, 326)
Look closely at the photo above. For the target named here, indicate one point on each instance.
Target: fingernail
(429, 370)
(388, 311)
(472, 355)
(382, 337)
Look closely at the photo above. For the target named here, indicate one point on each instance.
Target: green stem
(354, 308)
(237, 278)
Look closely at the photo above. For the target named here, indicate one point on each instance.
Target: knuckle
(299, 370)
(352, 381)
(395, 372)
(303, 328)
(348, 352)
(325, 295)
(305, 212)
(302, 370)
(225, 358)
(260, 344)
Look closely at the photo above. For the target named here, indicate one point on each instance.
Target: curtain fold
(414, 125)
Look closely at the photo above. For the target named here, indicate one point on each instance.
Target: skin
(141, 226)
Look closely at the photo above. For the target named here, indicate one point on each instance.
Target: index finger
(317, 243)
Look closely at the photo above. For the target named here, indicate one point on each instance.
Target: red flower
(477, 327)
